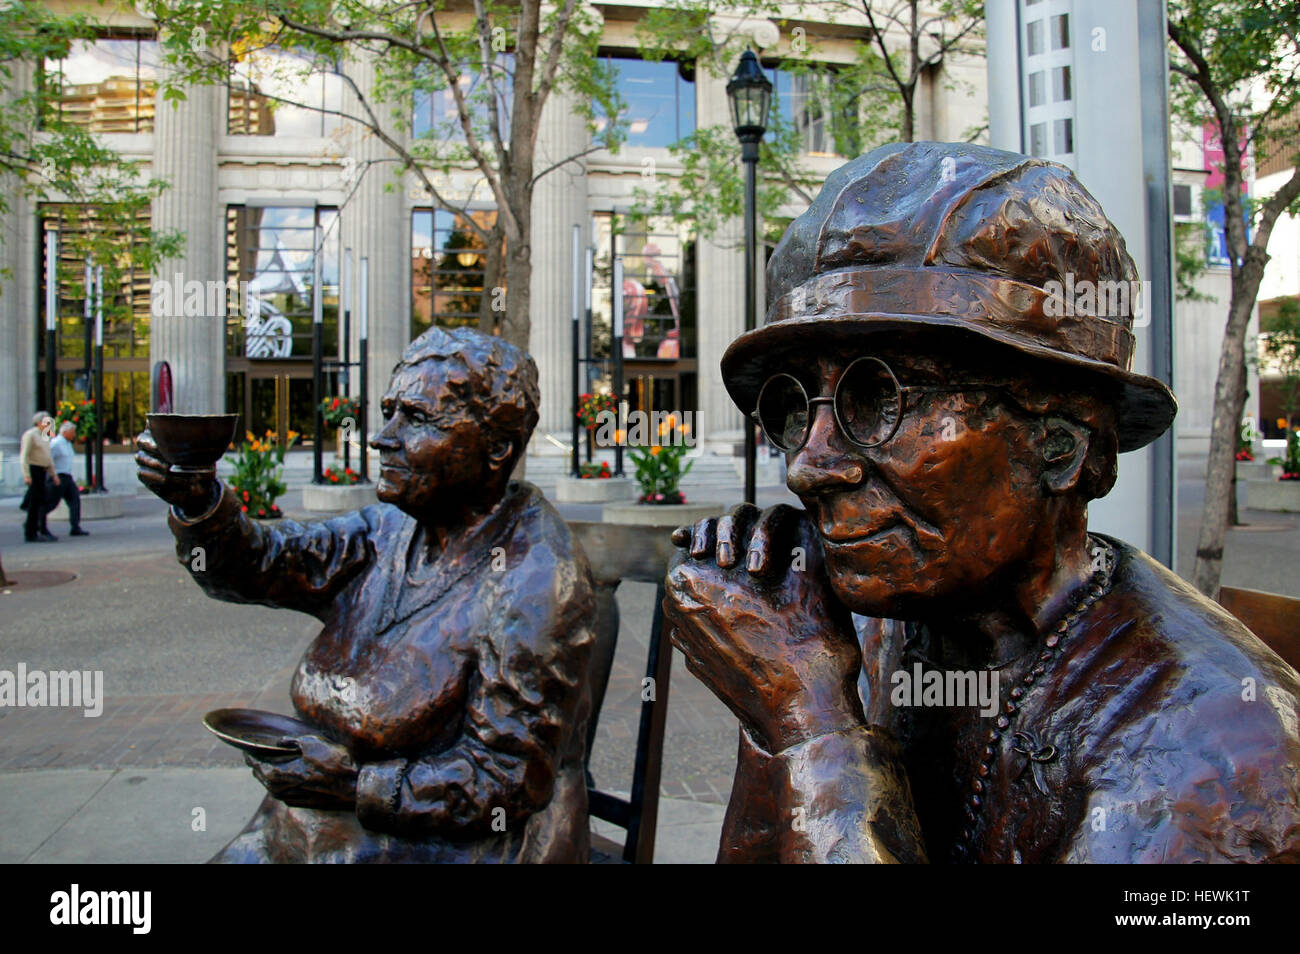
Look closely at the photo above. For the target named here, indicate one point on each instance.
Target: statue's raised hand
(193, 493)
(752, 609)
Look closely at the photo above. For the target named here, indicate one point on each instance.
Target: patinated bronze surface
(1131, 719)
(447, 686)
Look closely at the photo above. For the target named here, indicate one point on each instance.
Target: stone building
(266, 194)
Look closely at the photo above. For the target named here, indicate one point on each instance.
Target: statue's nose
(826, 461)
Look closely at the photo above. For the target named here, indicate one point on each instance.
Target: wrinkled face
(431, 449)
(939, 511)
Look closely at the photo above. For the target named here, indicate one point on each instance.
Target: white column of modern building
(185, 156)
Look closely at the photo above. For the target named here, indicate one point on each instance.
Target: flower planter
(335, 498)
(667, 516)
(594, 489)
(1256, 470)
(93, 507)
(1278, 495)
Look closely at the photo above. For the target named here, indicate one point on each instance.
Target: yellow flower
(619, 436)
(248, 436)
(654, 451)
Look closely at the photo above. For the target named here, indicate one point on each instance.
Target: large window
(106, 84)
(273, 249)
(274, 93)
(447, 269)
(825, 117)
(126, 314)
(659, 100)
(658, 286)
(435, 115)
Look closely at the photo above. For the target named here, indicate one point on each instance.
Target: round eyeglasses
(868, 404)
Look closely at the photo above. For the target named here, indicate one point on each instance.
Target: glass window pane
(1034, 37)
(1061, 91)
(1064, 137)
(1038, 139)
(1061, 32)
(1036, 87)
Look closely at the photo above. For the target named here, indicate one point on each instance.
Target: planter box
(594, 489)
(328, 498)
(93, 507)
(1282, 495)
(1256, 470)
(666, 516)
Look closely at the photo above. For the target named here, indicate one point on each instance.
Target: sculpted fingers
(732, 532)
(702, 537)
(771, 543)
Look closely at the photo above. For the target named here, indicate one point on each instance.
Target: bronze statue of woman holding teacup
(946, 418)
(444, 703)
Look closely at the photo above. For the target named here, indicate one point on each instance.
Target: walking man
(64, 487)
(34, 458)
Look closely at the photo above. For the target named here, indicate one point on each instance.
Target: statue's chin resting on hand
(945, 424)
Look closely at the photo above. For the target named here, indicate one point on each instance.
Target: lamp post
(750, 95)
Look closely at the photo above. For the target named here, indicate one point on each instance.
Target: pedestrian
(64, 487)
(34, 458)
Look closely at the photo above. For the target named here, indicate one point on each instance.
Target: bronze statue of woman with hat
(946, 419)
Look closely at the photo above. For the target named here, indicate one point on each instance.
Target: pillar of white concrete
(720, 315)
(18, 305)
(559, 203)
(185, 156)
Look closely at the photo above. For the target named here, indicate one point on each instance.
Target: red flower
(244, 508)
(335, 404)
(261, 513)
(245, 494)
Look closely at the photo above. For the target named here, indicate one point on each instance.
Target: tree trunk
(492, 262)
(4, 580)
(1234, 517)
(1225, 427)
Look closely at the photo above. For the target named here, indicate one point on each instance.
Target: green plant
(594, 470)
(658, 472)
(257, 480)
(1291, 465)
(341, 476)
(338, 409)
(591, 406)
(81, 415)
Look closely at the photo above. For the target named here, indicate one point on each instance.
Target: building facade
(281, 205)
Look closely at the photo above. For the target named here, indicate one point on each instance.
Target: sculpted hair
(493, 381)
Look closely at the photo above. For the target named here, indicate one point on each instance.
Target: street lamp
(750, 94)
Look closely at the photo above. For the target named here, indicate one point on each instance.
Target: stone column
(19, 308)
(375, 226)
(721, 310)
(559, 203)
(185, 156)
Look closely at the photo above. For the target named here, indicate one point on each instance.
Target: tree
(499, 63)
(48, 158)
(866, 102)
(1233, 65)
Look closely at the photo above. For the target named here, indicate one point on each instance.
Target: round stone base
(594, 489)
(1280, 495)
(328, 498)
(93, 507)
(669, 516)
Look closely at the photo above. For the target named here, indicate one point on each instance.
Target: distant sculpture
(950, 394)
(446, 694)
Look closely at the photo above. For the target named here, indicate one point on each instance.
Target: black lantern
(750, 93)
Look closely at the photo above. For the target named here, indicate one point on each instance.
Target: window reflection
(658, 286)
(659, 100)
(107, 84)
(827, 124)
(272, 249)
(447, 268)
(435, 115)
(276, 93)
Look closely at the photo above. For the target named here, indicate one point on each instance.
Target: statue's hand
(323, 776)
(194, 494)
(752, 609)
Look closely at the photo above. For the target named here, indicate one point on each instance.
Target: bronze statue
(446, 694)
(1014, 688)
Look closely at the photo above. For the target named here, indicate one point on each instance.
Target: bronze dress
(1156, 729)
(460, 691)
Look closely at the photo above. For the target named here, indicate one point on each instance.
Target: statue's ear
(1064, 449)
(500, 451)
